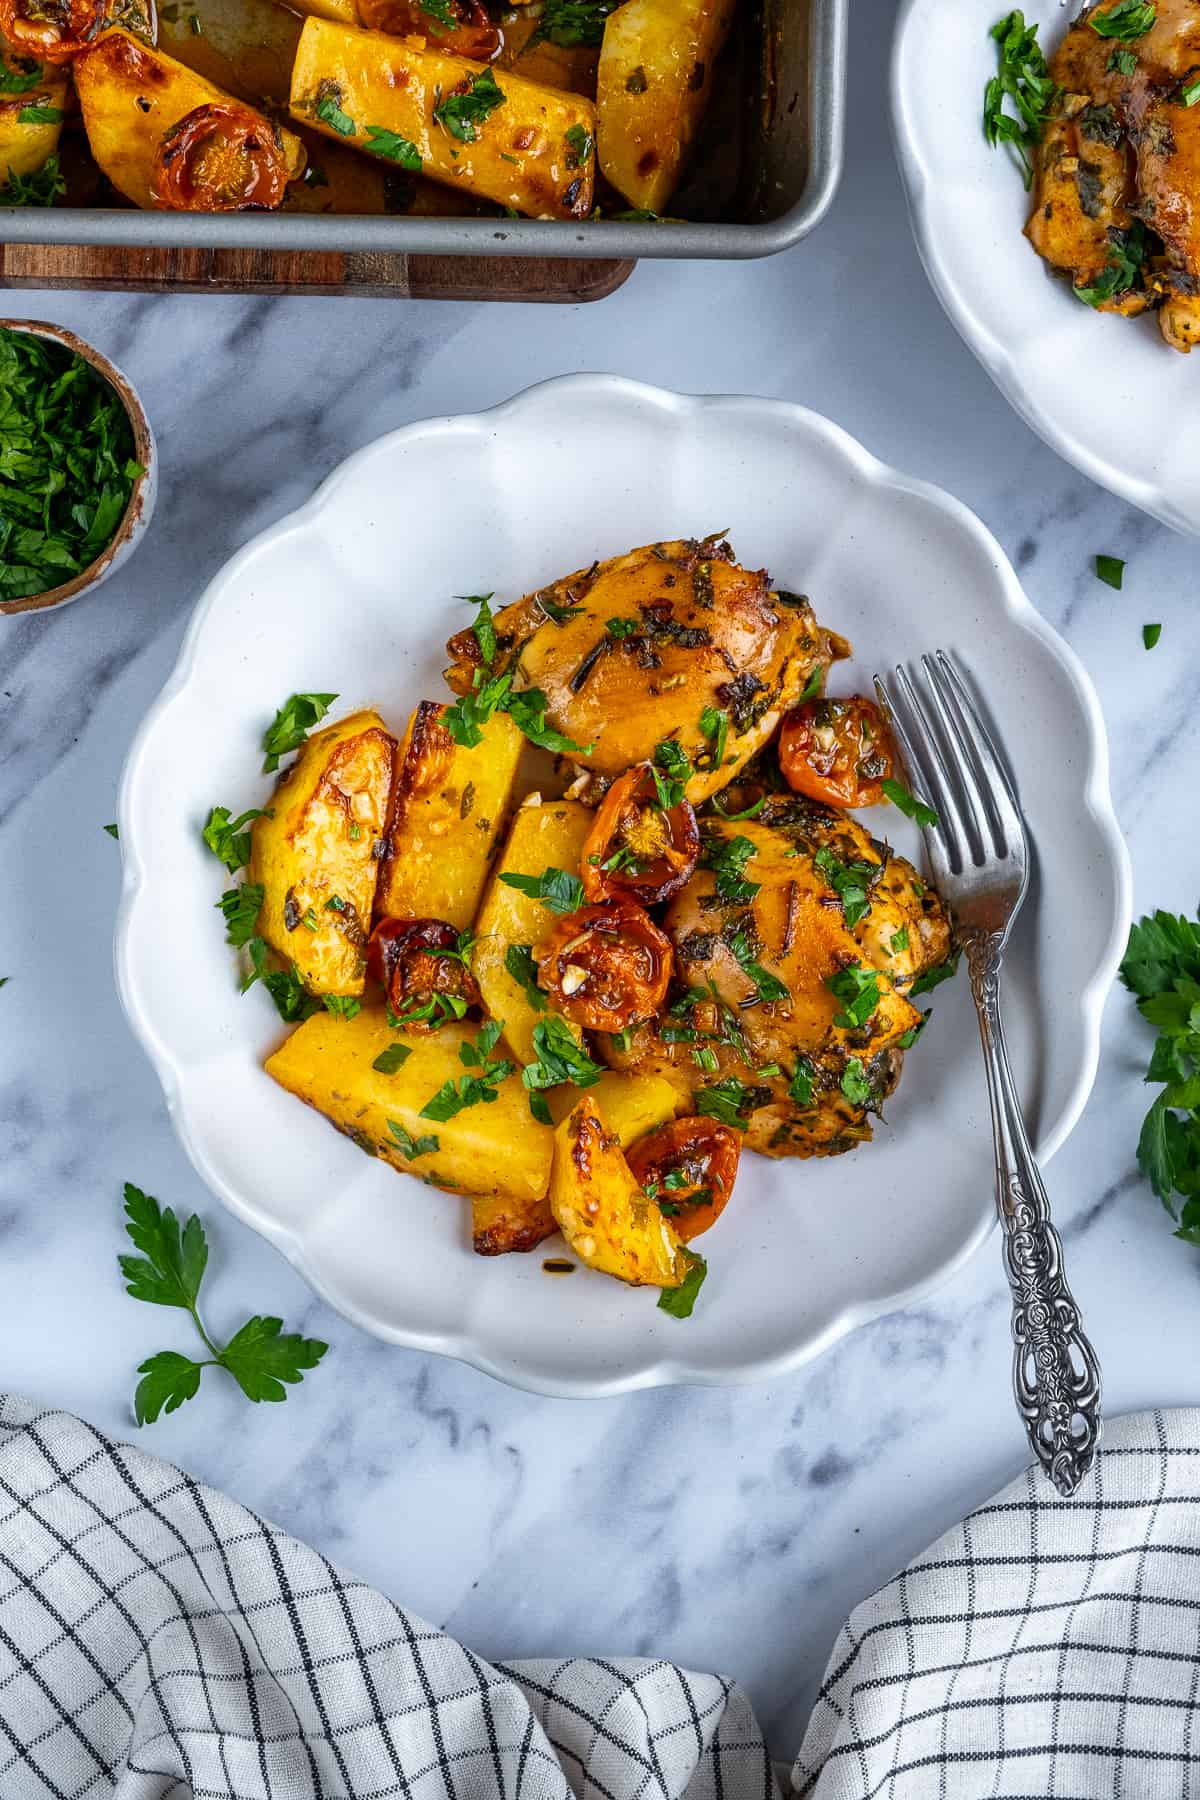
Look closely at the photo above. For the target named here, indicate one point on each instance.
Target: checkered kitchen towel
(157, 1641)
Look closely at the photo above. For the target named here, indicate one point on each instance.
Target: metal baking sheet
(791, 166)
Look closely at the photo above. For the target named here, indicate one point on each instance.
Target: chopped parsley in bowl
(77, 467)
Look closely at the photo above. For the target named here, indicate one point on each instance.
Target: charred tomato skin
(837, 751)
(31, 32)
(473, 33)
(706, 1155)
(414, 960)
(607, 966)
(183, 178)
(628, 813)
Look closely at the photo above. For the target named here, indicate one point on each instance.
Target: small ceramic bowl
(137, 514)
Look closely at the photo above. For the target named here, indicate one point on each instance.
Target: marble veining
(730, 1529)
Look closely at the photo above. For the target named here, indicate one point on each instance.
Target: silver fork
(979, 856)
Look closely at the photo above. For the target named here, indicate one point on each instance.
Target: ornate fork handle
(1056, 1377)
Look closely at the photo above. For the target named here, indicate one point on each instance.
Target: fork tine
(951, 740)
(1002, 800)
(932, 773)
(913, 764)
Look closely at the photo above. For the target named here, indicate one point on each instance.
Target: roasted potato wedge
(695, 631)
(530, 148)
(546, 834)
(131, 96)
(601, 1210)
(494, 1149)
(449, 806)
(652, 88)
(316, 855)
(500, 1224)
(24, 147)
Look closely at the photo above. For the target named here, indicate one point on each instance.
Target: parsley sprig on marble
(1162, 968)
(261, 1357)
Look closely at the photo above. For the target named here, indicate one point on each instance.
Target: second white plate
(353, 595)
(1106, 393)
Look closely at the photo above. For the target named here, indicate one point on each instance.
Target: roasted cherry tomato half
(52, 31)
(471, 34)
(837, 751)
(688, 1168)
(422, 972)
(606, 966)
(637, 849)
(220, 158)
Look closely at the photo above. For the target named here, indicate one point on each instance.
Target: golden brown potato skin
(25, 147)
(706, 633)
(320, 845)
(130, 96)
(652, 88)
(601, 1209)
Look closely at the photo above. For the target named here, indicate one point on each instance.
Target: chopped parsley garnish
(561, 892)
(899, 941)
(714, 726)
(518, 960)
(851, 882)
(1151, 635)
(438, 1009)
(855, 1085)
(67, 464)
(931, 978)
(1189, 93)
(40, 115)
(679, 1301)
(768, 987)
(527, 710)
(706, 1059)
(241, 907)
(1023, 78)
(574, 22)
(331, 114)
(675, 765)
(727, 858)
(261, 1357)
(113, 832)
(800, 1087)
(1162, 968)
(1111, 569)
(20, 77)
(440, 14)
(471, 1090)
(227, 838)
(411, 1146)
(1126, 254)
(813, 686)
(1127, 20)
(1124, 62)
(909, 1038)
(394, 148)
(858, 990)
(560, 1057)
(579, 141)
(292, 724)
(484, 629)
(748, 812)
(463, 114)
(907, 803)
(393, 1058)
(293, 1002)
(342, 1006)
(622, 628)
(730, 1102)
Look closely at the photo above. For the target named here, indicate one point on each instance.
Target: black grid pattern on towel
(1044, 1647)
(159, 1642)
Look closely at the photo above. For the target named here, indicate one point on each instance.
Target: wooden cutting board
(369, 276)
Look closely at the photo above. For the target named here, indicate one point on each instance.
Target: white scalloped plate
(352, 593)
(1106, 393)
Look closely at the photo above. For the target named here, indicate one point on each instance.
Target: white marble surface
(727, 1529)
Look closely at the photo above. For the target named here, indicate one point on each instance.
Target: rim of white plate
(917, 180)
(663, 1370)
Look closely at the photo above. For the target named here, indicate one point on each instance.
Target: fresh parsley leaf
(1023, 78)
(931, 978)
(471, 1090)
(855, 1085)
(851, 882)
(472, 710)
(813, 686)
(42, 188)
(909, 1038)
(292, 724)
(679, 1301)
(1162, 968)
(579, 142)
(393, 1058)
(227, 838)
(705, 1058)
(539, 1109)
(169, 1272)
(714, 726)
(858, 990)
(518, 960)
(748, 812)
(4, 980)
(1127, 20)
(727, 857)
(908, 803)
(331, 114)
(438, 1009)
(730, 1102)
(672, 759)
(1127, 252)
(574, 22)
(768, 987)
(292, 1000)
(441, 15)
(40, 115)
(560, 1057)
(1111, 570)
(411, 1146)
(1189, 93)
(622, 628)
(484, 627)
(621, 1040)
(899, 941)
(394, 148)
(241, 907)
(561, 892)
(800, 1087)
(342, 1006)
(1123, 61)
(1151, 635)
(527, 710)
(113, 832)
(463, 113)
(20, 76)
